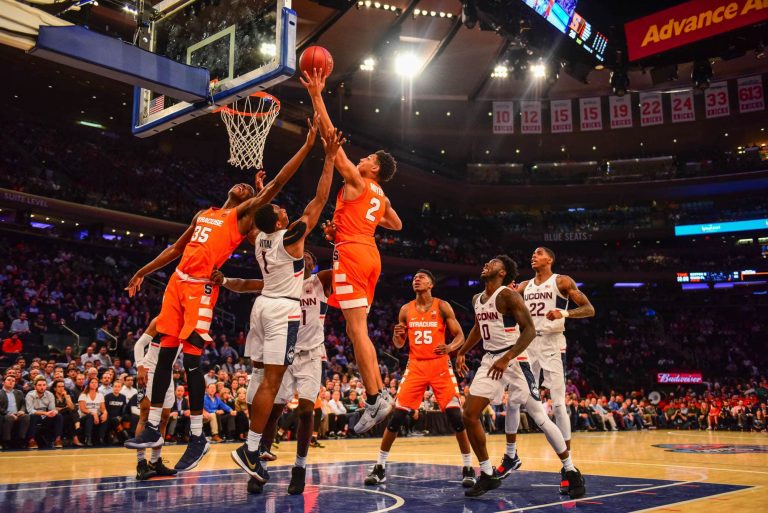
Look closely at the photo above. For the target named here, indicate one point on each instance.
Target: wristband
(565, 313)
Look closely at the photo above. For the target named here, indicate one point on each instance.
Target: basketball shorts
(518, 380)
(547, 357)
(187, 308)
(302, 376)
(356, 270)
(274, 329)
(436, 373)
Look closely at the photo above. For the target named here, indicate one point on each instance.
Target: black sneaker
(316, 443)
(298, 478)
(250, 462)
(144, 471)
(508, 465)
(255, 486)
(468, 478)
(162, 470)
(377, 476)
(197, 447)
(148, 439)
(265, 454)
(563, 482)
(576, 488)
(485, 484)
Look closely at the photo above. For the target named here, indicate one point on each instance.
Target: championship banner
(651, 112)
(591, 114)
(530, 115)
(621, 111)
(561, 116)
(692, 21)
(503, 117)
(716, 103)
(682, 106)
(751, 94)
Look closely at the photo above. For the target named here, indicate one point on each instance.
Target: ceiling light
(538, 70)
(407, 65)
(369, 64)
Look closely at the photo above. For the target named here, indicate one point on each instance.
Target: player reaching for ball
(361, 206)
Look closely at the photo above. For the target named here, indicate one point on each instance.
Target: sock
(155, 454)
(371, 399)
(511, 450)
(301, 461)
(155, 413)
(383, 455)
(568, 463)
(140, 455)
(196, 424)
(466, 459)
(486, 467)
(254, 439)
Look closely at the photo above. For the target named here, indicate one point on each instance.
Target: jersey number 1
(375, 206)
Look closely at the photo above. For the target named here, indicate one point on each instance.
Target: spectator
(93, 414)
(13, 345)
(66, 356)
(242, 417)
(178, 422)
(106, 383)
(20, 325)
(117, 413)
(337, 422)
(88, 356)
(13, 412)
(213, 409)
(104, 358)
(44, 417)
(66, 408)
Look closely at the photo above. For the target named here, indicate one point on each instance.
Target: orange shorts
(356, 270)
(187, 308)
(436, 373)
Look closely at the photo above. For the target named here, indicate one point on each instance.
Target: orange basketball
(316, 57)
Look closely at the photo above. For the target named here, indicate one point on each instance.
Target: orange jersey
(215, 238)
(426, 330)
(356, 220)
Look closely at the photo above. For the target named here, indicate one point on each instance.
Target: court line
(399, 501)
(695, 500)
(709, 434)
(632, 485)
(406, 477)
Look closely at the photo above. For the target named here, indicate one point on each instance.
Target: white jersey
(314, 305)
(283, 274)
(499, 332)
(543, 298)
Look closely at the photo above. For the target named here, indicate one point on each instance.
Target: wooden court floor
(723, 458)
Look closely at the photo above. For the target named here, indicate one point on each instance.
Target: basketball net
(248, 122)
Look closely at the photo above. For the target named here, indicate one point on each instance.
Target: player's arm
(454, 328)
(165, 257)
(568, 288)
(390, 220)
(326, 279)
(511, 303)
(399, 332)
(315, 84)
(238, 285)
(518, 287)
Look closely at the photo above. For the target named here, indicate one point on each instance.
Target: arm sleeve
(139, 348)
(295, 233)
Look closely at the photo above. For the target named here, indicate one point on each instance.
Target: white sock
(486, 467)
(140, 456)
(301, 461)
(254, 439)
(511, 449)
(155, 454)
(383, 455)
(196, 424)
(466, 459)
(155, 413)
(568, 464)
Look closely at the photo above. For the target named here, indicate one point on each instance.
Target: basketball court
(679, 471)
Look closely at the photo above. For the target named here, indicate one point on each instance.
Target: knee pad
(454, 419)
(397, 420)
(257, 376)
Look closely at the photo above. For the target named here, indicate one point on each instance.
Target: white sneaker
(373, 414)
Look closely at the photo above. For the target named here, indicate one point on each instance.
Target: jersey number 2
(375, 206)
(537, 309)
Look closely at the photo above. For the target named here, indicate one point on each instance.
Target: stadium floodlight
(407, 65)
(538, 70)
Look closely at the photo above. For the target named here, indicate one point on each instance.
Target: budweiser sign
(678, 377)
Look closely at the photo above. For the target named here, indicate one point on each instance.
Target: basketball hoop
(248, 122)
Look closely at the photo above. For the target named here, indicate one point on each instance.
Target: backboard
(246, 45)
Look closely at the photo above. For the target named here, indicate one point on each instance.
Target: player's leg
(307, 372)
(510, 461)
(155, 459)
(554, 378)
(143, 470)
(473, 408)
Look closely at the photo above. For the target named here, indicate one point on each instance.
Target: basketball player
(504, 324)
(276, 313)
(547, 297)
(361, 206)
(425, 320)
(303, 375)
(190, 297)
(145, 367)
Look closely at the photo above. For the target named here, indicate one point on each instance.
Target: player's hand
(332, 141)
(217, 277)
(329, 230)
(312, 126)
(258, 181)
(134, 285)
(314, 82)
(554, 314)
(398, 333)
(461, 366)
(512, 285)
(141, 376)
(498, 368)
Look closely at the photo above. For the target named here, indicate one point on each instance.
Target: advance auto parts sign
(689, 22)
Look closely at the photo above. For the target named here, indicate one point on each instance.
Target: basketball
(316, 57)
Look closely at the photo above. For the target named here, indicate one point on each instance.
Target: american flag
(157, 105)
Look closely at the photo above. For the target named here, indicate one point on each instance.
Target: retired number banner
(682, 106)
(716, 103)
(561, 116)
(530, 117)
(503, 117)
(651, 112)
(621, 111)
(751, 94)
(591, 114)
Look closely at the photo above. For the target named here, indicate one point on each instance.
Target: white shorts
(517, 379)
(302, 376)
(274, 329)
(169, 394)
(547, 356)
